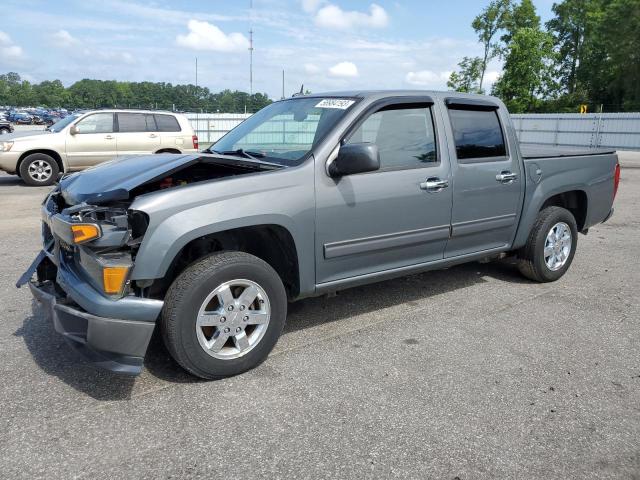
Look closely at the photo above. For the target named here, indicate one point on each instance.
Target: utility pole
(282, 84)
(251, 47)
(196, 92)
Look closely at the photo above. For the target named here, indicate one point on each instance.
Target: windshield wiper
(241, 152)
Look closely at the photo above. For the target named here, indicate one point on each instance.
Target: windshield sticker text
(339, 103)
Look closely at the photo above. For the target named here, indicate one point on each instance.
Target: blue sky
(325, 44)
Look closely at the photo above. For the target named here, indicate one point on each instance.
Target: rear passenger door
(137, 134)
(487, 185)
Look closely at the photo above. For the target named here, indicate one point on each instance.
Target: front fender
(180, 216)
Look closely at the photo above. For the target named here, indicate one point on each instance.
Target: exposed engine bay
(201, 170)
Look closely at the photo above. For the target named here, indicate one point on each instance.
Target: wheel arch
(576, 201)
(168, 150)
(271, 242)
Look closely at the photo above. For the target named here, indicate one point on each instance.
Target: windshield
(284, 132)
(60, 124)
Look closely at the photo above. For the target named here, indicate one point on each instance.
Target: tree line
(587, 54)
(87, 93)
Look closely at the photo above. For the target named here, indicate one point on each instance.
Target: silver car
(83, 140)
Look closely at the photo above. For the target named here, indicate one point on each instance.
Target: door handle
(434, 184)
(109, 137)
(506, 177)
(153, 135)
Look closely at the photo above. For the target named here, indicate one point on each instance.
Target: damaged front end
(82, 279)
(91, 237)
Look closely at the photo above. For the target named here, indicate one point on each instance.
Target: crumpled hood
(113, 180)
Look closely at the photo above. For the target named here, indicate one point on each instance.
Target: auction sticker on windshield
(340, 103)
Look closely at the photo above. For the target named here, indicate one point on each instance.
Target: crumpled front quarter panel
(179, 215)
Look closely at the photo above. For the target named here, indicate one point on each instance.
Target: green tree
(528, 70)
(486, 25)
(522, 15)
(469, 78)
(569, 28)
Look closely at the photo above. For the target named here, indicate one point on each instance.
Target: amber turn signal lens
(83, 232)
(113, 279)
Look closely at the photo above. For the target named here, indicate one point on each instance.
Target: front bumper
(111, 334)
(112, 344)
(9, 161)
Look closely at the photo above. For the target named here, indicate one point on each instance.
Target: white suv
(87, 139)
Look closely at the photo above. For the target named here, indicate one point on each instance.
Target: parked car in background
(5, 127)
(89, 138)
(360, 187)
(21, 118)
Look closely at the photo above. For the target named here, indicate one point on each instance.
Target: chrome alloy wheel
(557, 246)
(233, 319)
(40, 170)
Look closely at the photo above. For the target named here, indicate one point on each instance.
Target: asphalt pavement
(468, 373)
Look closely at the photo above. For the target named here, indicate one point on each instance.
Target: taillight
(195, 141)
(616, 180)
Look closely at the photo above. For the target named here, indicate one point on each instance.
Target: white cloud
(333, 16)
(344, 69)
(63, 38)
(8, 49)
(311, 6)
(491, 77)
(206, 36)
(311, 68)
(427, 78)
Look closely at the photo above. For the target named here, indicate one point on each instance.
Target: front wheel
(39, 169)
(550, 247)
(224, 314)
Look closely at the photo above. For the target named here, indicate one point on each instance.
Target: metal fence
(609, 130)
(209, 127)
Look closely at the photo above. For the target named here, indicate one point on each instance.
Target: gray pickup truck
(310, 195)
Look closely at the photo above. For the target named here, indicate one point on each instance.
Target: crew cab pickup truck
(310, 195)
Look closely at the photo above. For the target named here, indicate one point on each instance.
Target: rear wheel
(224, 314)
(4, 131)
(550, 247)
(39, 169)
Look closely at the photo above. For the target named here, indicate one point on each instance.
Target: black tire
(531, 259)
(4, 131)
(50, 168)
(189, 291)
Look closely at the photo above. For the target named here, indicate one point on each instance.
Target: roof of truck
(395, 93)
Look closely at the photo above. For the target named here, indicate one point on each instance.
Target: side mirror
(74, 130)
(355, 158)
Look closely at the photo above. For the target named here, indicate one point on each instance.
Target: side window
(96, 123)
(477, 134)
(167, 123)
(136, 122)
(404, 134)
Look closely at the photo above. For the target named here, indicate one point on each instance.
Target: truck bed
(531, 151)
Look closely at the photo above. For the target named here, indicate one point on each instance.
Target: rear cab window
(403, 133)
(477, 132)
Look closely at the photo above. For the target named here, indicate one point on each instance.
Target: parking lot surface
(467, 373)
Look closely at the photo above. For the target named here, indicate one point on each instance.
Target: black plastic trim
(457, 103)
